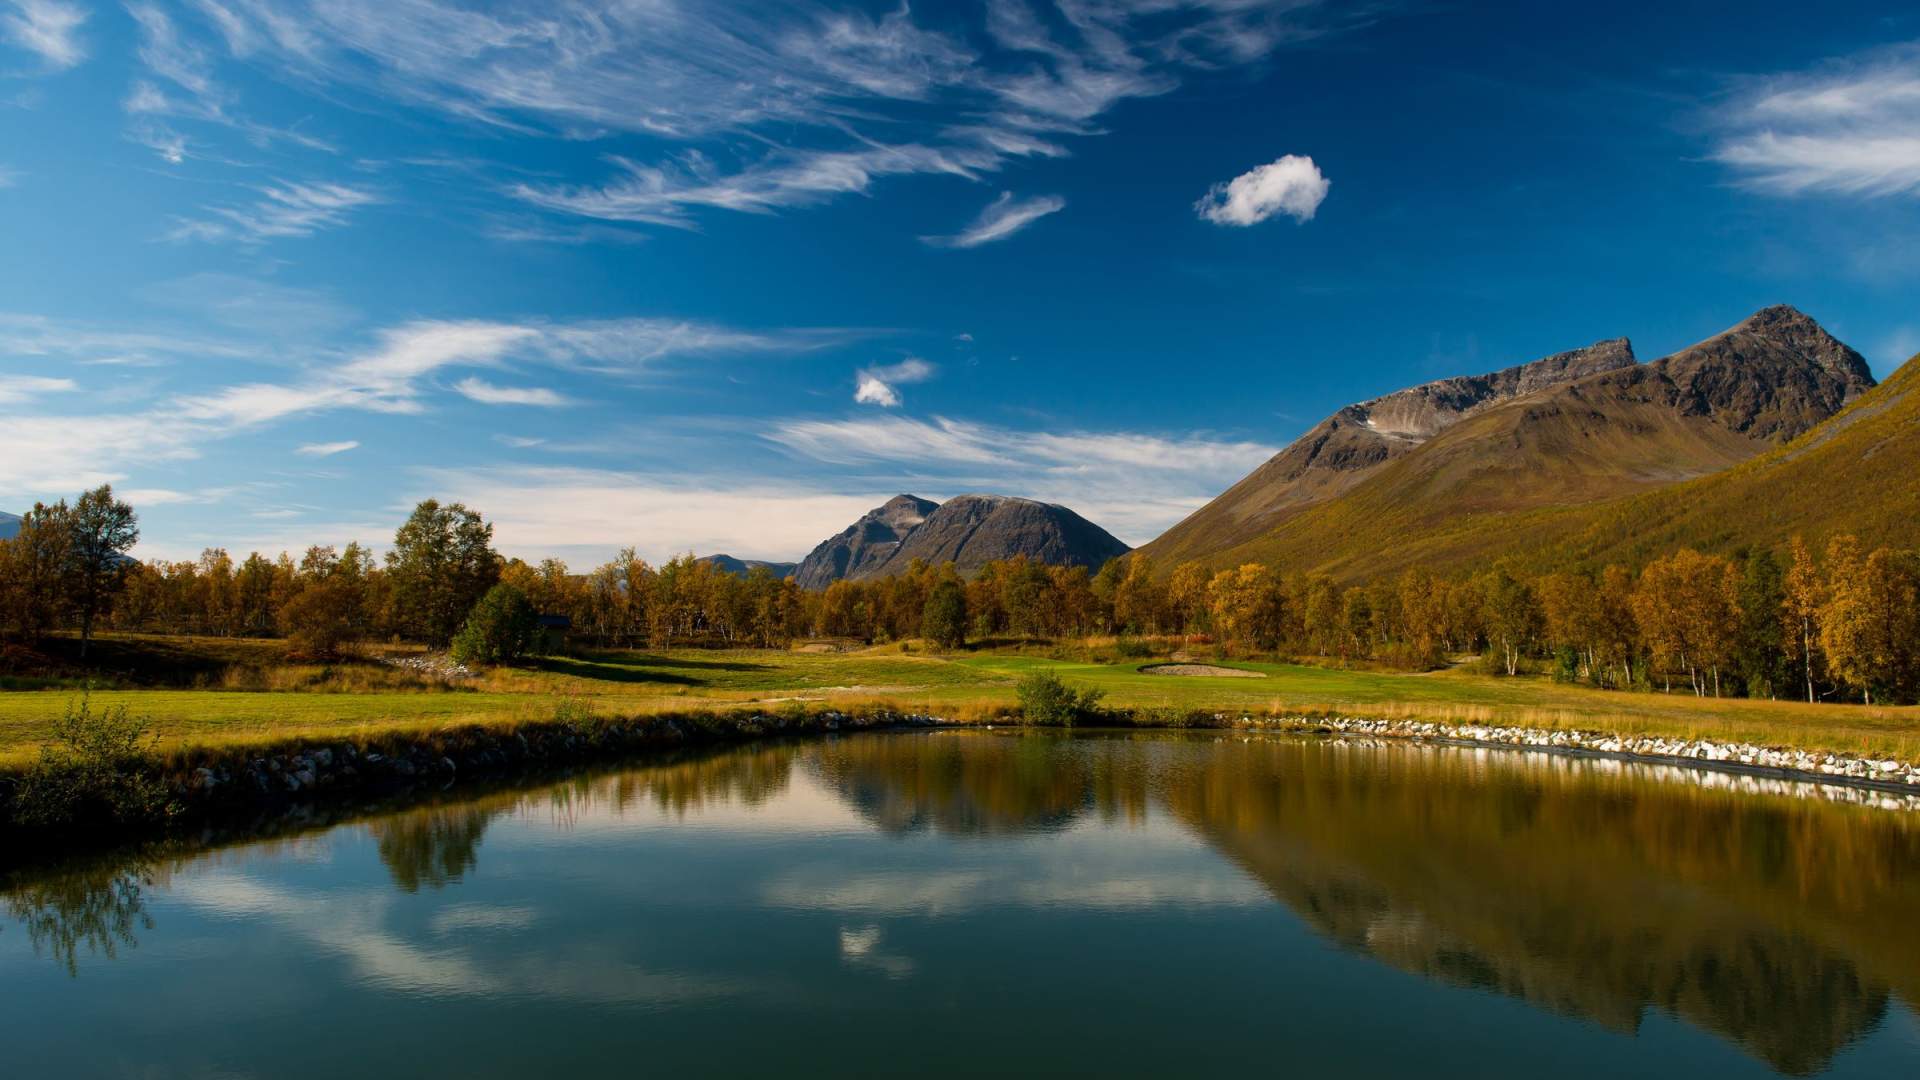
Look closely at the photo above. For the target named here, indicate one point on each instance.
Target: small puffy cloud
(487, 393)
(328, 449)
(1293, 186)
(877, 385)
(1002, 218)
(50, 28)
(871, 391)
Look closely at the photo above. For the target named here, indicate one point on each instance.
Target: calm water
(961, 903)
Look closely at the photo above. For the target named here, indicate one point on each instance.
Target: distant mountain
(744, 567)
(1470, 490)
(967, 530)
(9, 526)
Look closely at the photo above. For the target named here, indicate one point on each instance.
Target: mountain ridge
(1604, 435)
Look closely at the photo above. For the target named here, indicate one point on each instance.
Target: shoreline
(212, 784)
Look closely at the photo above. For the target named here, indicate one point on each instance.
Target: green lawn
(260, 703)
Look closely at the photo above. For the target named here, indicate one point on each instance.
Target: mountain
(1477, 486)
(967, 530)
(744, 567)
(1352, 444)
(9, 526)
(864, 545)
(1858, 473)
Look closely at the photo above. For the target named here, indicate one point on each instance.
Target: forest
(1839, 624)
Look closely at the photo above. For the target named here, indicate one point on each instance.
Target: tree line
(1843, 625)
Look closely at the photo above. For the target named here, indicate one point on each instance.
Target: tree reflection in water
(92, 908)
(1589, 889)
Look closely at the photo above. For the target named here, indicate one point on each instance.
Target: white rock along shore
(1897, 781)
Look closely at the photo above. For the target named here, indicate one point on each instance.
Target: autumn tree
(1802, 606)
(1870, 626)
(1570, 605)
(1757, 652)
(33, 569)
(1186, 597)
(944, 620)
(103, 530)
(441, 564)
(1615, 630)
(1512, 615)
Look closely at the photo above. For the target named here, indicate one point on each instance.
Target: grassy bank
(238, 694)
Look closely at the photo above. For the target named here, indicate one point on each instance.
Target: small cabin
(553, 633)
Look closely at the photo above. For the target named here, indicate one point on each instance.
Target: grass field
(239, 692)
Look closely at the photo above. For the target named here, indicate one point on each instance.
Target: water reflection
(90, 908)
(1587, 889)
(1582, 887)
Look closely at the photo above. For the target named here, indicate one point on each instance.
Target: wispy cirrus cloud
(1851, 127)
(1002, 218)
(49, 29)
(390, 375)
(486, 393)
(285, 210)
(15, 389)
(829, 101)
(328, 449)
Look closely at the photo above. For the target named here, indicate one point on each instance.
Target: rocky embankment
(223, 782)
(1880, 774)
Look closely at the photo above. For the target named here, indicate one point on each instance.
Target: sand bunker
(1208, 670)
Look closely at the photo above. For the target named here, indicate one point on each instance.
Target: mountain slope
(1459, 496)
(967, 530)
(1857, 473)
(1354, 443)
(9, 526)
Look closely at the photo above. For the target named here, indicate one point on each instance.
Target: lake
(973, 902)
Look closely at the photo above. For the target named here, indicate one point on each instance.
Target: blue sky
(711, 277)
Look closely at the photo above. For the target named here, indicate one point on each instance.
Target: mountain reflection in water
(1593, 890)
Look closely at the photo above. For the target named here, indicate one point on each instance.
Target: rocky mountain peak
(967, 530)
(1773, 375)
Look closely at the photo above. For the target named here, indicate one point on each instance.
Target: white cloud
(1851, 128)
(9, 177)
(590, 513)
(49, 28)
(55, 454)
(488, 394)
(328, 449)
(1293, 185)
(877, 385)
(1133, 484)
(868, 390)
(1002, 218)
(839, 98)
(287, 210)
(15, 389)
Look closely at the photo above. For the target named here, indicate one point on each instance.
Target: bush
(502, 628)
(99, 770)
(1047, 701)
